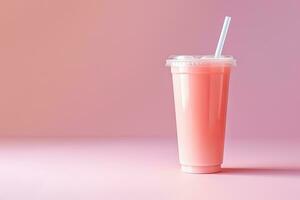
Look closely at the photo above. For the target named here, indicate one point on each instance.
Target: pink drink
(200, 86)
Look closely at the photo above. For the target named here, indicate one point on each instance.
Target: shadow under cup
(200, 85)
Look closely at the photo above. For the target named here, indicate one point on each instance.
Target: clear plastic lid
(198, 60)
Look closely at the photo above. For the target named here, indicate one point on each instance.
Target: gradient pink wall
(88, 67)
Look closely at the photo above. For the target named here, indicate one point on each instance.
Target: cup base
(201, 169)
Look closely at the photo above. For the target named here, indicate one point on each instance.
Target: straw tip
(222, 36)
(227, 18)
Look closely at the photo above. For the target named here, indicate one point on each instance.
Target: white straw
(222, 36)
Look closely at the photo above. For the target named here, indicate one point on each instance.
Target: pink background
(96, 67)
(88, 67)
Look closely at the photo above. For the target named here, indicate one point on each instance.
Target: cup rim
(198, 60)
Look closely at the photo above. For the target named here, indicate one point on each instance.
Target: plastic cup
(200, 85)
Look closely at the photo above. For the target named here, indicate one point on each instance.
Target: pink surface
(200, 95)
(144, 168)
(91, 67)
